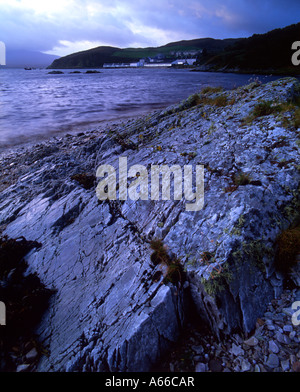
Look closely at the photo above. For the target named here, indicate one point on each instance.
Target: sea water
(35, 105)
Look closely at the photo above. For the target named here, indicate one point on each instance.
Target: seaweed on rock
(26, 299)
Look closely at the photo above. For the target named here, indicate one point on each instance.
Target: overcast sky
(65, 26)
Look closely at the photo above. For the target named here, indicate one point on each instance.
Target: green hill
(262, 53)
(96, 57)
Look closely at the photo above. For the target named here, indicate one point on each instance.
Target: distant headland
(268, 53)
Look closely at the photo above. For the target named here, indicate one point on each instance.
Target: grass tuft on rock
(288, 247)
(242, 179)
(160, 255)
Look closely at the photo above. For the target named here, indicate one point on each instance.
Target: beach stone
(288, 311)
(31, 355)
(198, 349)
(273, 361)
(282, 338)
(245, 365)
(285, 365)
(236, 350)
(23, 368)
(292, 334)
(252, 341)
(200, 367)
(287, 328)
(256, 369)
(237, 368)
(273, 347)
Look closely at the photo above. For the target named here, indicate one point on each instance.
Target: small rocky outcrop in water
(114, 309)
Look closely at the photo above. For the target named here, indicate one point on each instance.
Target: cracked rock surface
(109, 312)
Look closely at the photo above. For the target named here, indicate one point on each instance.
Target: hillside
(96, 57)
(262, 53)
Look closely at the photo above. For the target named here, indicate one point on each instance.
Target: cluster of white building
(150, 63)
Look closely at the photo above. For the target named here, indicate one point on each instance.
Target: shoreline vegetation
(124, 276)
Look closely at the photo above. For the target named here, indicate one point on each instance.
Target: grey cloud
(113, 19)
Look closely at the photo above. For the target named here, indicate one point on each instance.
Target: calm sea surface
(35, 105)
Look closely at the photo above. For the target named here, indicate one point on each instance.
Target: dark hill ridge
(92, 57)
(270, 52)
(106, 54)
(262, 53)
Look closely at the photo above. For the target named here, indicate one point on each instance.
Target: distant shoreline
(201, 68)
(278, 72)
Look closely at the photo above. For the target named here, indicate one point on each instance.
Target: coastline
(97, 128)
(97, 255)
(268, 72)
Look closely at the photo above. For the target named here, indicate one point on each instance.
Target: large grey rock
(112, 311)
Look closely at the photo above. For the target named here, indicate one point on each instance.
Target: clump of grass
(210, 89)
(125, 143)
(230, 188)
(293, 107)
(263, 108)
(189, 155)
(194, 100)
(160, 256)
(292, 121)
(242, 179)
(218, 281)
(219, 101)
(288, 246)
(205, 98)
(296, 121)
(232, 101)
(207, 257)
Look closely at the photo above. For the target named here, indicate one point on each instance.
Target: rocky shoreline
(274, 345)
(113, 309)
